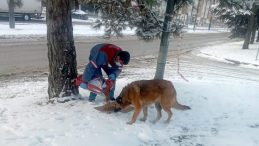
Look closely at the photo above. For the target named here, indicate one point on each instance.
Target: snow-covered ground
(27, 29)
(232, 53)
(224, 113)
(200, 29)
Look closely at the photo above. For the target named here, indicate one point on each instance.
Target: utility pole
(161, 61)
(11, 14)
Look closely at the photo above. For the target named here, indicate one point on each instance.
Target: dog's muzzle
(119, 101)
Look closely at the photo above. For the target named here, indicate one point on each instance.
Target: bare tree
(61, 48)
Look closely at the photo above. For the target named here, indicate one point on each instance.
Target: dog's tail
(180, 107)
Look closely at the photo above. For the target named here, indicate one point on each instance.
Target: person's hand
(112, 77)
(109, 84)
(78, 80)
(108, 87)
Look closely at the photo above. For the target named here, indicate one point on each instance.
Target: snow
(79, 12)
(221, 118)
(26, 29)
(224, 111)
(232, 53)
(199, 29)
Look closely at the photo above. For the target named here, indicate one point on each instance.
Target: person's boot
(92, 97)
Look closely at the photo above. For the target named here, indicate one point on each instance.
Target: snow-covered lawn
(224, 113)
(232, 53)
(27, 29)
(200, 29)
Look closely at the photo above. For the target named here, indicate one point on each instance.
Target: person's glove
(78, 80)
(112, 77)
(109, 84)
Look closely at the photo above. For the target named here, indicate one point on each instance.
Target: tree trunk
(249, 32)
(61, 48)
(76, 5)
(257, 39)
(211, 16)
(196, 17)
(191, 20)
(11, 14)
(161, 61)
(204, 14)
(253, 31)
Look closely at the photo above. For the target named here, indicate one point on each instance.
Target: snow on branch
(118, 15)
(235, 14)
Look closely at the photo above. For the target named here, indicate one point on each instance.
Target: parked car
(79, 14)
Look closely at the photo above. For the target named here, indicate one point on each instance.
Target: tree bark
(61, 48)
(253, 30)
(249, 32)
(196, 17)
(11, 14)
(257, 39)
(211, 16)
(161, 61)
(76, 5)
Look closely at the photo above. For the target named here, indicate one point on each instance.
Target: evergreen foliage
(117, 15)
(235, 14)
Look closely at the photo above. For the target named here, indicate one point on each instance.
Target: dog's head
(125, 97)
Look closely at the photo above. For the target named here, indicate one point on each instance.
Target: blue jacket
(102, 57)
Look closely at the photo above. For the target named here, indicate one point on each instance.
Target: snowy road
(30, 54)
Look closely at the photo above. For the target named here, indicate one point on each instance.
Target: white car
(79, 14)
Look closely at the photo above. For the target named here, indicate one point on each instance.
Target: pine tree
(117, 15)
(235, 14)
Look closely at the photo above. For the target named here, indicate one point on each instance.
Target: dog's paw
(130, 123)
(167, 121)
(143, 119)
(154, 121)
(117, 110)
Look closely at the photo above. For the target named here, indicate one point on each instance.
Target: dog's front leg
(135, 115)
(145, 108)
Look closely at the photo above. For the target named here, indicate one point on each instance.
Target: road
(25, 55)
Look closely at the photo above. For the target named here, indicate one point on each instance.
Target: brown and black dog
(142, 93)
